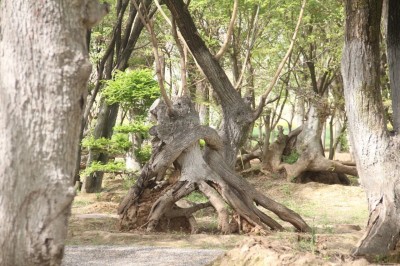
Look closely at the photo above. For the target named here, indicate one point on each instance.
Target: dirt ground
(337, 214)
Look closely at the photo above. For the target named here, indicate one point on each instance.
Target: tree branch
(282, 63)
(149, 26)
(183, 89)
(225, 45)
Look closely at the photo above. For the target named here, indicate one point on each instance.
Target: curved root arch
(176, 141)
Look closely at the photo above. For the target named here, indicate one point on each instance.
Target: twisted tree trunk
(237, 114)
(312, 165)
(312, 157)
(176, 140)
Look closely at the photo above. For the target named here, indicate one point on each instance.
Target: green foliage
(344, 144)
(291, 158)
(132, 89)
(136, 127)
(119, 143)
(286, 189)
(81, 203)
(381, 259)
(353, 180)
(143, 154)
(202, 143)
(108, 168)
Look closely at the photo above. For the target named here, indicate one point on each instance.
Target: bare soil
(338, 214)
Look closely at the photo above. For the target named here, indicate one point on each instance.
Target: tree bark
(237, 114)
(376, 152)
(393, 51)
(311, 154)
(176, 141)
(44, 69)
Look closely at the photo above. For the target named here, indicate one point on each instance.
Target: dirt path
(337, 214)
(138, 256)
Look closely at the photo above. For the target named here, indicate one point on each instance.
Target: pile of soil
(258, 251)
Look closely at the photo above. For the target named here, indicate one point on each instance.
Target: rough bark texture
(311, 154)
(393, 51)
(176, 139)
(237, 113)
(44, 68)
(376, 152)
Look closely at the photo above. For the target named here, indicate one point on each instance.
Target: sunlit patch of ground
(337, 214)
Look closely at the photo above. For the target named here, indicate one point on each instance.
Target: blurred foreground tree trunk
(44, 69)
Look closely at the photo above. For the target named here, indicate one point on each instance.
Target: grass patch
(81, 203)
(196, 197)
(129, 181)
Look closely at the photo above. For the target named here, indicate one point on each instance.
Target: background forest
(251, 45)
(265, 75)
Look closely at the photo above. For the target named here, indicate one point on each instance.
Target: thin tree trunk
(104, 129)
(331, 137)
(120, 47)
(44, 69)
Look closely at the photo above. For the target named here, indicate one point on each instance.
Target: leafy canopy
(132, 89)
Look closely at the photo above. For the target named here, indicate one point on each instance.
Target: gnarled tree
(314, 82)
(176, 141)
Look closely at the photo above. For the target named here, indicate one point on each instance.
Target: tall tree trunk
(44, 69)
(393, 51)
(105, 122)
(376, 152)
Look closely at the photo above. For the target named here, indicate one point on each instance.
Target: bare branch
(149, 26)
(183, 89)
(250, 41)
(285, 58)
(225, 45)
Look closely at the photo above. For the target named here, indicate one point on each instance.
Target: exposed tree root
(176, 139)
